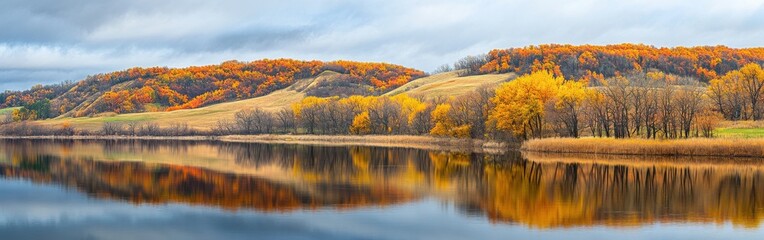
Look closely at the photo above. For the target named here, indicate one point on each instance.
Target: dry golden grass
(683, 147)
(449, 84)
(692, 162)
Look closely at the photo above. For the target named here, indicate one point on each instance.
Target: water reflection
(545, 192)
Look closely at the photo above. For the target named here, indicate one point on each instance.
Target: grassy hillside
(200, 118)
(449, 84)
(444, 84)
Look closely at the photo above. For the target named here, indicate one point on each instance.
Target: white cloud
(422, 34)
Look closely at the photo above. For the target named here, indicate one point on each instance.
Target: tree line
(463, 116)
(646, 104)
(599, 62)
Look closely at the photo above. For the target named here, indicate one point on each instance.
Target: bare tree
(245, 121)
(687, 104)
(224, 127)
(472, 109)
(618, 91)
(309, 118)
(422, 121)
(111, 128)
(149, 129)
(264, 121)
(385, 116)
(287, 120)
(666, 114)
(178, 129)
(132, 127)
(254, 121)
(470, 64)
(442, 69)
(753, 87)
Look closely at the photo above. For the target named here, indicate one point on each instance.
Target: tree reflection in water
(508, 188)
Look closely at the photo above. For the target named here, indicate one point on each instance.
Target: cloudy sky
(49, 41)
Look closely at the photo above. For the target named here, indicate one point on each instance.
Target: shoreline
(644, 161)
(693, 147)
(396, 141)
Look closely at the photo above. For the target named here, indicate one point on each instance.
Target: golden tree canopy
(520, 103)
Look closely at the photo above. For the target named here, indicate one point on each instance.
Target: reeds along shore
(682, 147)
(394, 141)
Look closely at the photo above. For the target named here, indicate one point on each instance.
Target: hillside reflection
(503, 188)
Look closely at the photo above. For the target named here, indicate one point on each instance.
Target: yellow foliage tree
(409, 106)
(445, 124)
(727, 94)
(361, 124)
(307, 103)
(753, 87)
(357, 103)
(461, 131)
(442, 122)
(519, 104)
(307, 111)
(738, 94)
(570, 96)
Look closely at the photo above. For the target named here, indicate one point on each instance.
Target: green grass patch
(8, 110)
(739, 132)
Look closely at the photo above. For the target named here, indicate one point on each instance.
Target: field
(739, 133)
(740, 129)
(449, 84)
(204, 118)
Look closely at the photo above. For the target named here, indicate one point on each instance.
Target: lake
(209, 190)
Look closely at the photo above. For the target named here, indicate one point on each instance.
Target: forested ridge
(599, 62)
(166, 89)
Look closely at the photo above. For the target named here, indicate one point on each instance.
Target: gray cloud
(76, 38)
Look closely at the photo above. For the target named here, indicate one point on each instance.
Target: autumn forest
(621, 91)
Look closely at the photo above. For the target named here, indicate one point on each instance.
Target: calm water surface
(201, 190)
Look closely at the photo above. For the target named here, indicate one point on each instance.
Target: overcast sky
(49, 41)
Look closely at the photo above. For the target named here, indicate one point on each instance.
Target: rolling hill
(157, 89)
(204, 118)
